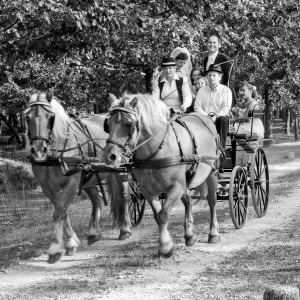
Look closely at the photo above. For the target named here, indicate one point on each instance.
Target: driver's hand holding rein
(214, 101)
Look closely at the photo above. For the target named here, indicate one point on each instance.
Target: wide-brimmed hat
(214, 68)
(168, 62)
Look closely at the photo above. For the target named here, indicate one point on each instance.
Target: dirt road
(131, 269)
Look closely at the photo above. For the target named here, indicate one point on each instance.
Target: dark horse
(161, 148)
(54, 135)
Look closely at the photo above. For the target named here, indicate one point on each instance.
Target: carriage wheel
(238, 196)
(259, 182)
(137, 204)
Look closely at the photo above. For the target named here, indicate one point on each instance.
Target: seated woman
(248, 104)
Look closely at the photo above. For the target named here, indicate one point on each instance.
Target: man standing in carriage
(214, 101)
(215, 57)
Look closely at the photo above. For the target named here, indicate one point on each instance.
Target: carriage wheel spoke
(238, 196)
(260, 182)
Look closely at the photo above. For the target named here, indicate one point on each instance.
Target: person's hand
(157, 71)
(182, 109)
(212, 116)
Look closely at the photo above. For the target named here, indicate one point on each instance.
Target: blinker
(105, 126)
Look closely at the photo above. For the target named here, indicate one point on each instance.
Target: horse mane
(153, 113)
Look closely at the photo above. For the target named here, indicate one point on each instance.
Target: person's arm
(227, 70)
(226, 103)
(155, 88)
(251, 105)
(198, 106)
(186, 94)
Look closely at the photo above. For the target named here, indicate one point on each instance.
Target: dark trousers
(222, 124)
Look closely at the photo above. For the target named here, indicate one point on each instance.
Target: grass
(30, 235)
(250, 271)
(277, 154)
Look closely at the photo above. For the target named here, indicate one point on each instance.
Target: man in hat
(215, 57)
(214, 101)
(171, 88)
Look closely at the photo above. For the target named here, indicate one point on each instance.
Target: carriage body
(244, 166)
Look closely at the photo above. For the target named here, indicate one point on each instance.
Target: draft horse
(168, 155)
(55, 137)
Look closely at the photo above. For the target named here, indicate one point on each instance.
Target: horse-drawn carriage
(167, 156)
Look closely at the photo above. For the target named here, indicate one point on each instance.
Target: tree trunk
(149, 72)
(12, 128)
(296, 126)
(288, 122)
(268, 116)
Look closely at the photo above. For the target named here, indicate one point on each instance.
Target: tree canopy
(83, 49)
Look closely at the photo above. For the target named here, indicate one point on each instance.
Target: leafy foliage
(84, 49)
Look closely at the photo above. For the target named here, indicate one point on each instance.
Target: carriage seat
(251, 136)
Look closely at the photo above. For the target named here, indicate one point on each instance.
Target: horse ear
(49, 96)
(112, 98)
(134, 102)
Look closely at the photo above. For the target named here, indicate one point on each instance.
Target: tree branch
(9, 26)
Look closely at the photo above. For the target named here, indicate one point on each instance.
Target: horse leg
(189, 228)
(61, 200)
(212, 184)
(124, 218)
(119, 191)
(155, 206)
(94, 232)
(166, 244)
(73, 242)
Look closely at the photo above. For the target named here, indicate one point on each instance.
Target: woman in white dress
(249, 103)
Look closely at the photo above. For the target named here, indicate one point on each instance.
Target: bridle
(47, 107)
(127, 148)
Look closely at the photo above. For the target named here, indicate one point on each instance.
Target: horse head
(123, 128)
(132, 120)
(39, 120)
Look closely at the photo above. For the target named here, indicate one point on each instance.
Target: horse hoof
(190, 241)
(124, 235)
(93, 239)
(214, 239)
(166, 255)
(52, 259)
(71, 251)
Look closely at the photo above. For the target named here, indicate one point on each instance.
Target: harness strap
(172, 161)
(183, 124)
(101, 188)
(38, 137)
(109, 141)
(191, 173)
(157, 150)
(85, 129)
(178, 142)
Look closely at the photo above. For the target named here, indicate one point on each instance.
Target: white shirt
(211, 59)
(217, 101)
(170, 96)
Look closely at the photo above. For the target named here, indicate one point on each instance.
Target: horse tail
(118, 190)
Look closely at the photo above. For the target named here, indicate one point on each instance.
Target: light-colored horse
(54, 134)
(140, 125)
